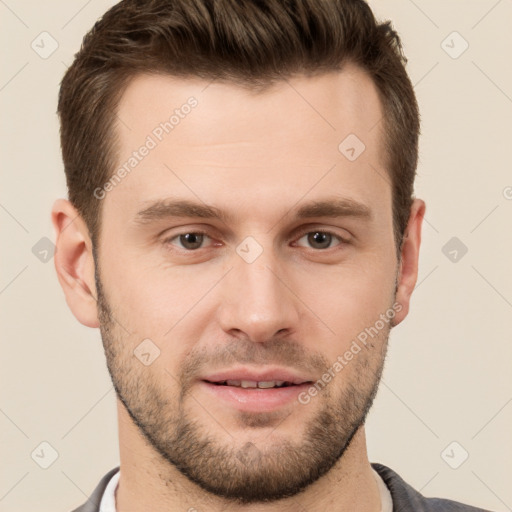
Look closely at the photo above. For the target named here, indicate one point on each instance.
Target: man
(241, 227)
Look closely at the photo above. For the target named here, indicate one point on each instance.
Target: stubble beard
(243, 472)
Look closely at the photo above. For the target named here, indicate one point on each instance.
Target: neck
(148, 482)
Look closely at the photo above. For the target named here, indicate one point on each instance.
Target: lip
(263, 375)
(256, 400)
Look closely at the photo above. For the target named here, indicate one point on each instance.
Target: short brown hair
(248, 42)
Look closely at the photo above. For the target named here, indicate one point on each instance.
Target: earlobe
(408, 273)
(74, 262)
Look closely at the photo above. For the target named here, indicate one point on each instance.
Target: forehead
(331, 102)
(220, 142)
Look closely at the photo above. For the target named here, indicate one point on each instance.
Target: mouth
(252, 391)
(252, 384)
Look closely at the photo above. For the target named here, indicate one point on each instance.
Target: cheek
(350, 300)
(157, 301)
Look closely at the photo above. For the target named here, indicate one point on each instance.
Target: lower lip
(255, 399)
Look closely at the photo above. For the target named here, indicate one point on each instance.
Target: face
(246, 275)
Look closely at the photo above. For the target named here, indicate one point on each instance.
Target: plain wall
(448, 372)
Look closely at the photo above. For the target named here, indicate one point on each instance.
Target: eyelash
(342, 241)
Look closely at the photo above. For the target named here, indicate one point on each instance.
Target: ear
(408, 273)
(74, 262)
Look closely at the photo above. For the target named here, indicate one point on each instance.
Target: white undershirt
(386, 502)
(108, 501)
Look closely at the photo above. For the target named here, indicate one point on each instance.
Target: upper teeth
(255, 384)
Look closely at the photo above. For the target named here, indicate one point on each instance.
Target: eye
(193, 240)
(190, 241)
(320, 239)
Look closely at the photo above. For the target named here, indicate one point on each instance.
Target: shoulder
(406, 498)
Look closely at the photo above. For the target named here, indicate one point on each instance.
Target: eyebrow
(332, 208)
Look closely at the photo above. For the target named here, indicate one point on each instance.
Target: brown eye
(188, 241)
(320, 239)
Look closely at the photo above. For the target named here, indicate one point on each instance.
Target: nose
(258, 301)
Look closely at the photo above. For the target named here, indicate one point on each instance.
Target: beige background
(448, 374)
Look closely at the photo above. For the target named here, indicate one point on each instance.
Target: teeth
(249, 384)
(267, 384)
(253, 384)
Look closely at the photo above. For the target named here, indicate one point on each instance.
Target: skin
(298, 305)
